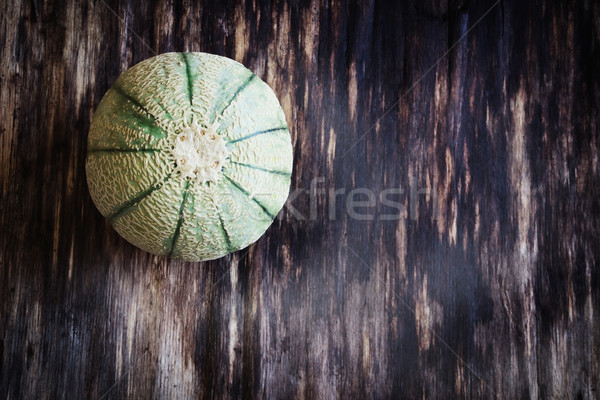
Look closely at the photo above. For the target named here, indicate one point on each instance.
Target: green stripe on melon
(134, 172)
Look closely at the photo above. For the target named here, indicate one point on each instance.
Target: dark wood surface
(487, 287)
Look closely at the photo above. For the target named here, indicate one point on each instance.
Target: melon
(189, 156)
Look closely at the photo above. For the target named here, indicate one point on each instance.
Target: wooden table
(457, 259)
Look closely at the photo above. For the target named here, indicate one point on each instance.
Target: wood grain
(486, 287)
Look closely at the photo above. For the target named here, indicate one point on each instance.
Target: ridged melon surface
(215, 196)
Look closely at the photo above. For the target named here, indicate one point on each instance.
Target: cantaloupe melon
(189, 156)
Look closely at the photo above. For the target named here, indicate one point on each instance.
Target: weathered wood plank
(488, 286)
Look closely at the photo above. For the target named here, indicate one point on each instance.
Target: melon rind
(133, 177)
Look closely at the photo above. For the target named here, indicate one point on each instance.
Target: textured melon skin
(132, 174)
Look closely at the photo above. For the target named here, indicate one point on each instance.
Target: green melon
(189, 156)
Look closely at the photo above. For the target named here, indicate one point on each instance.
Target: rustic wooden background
(488, 287)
